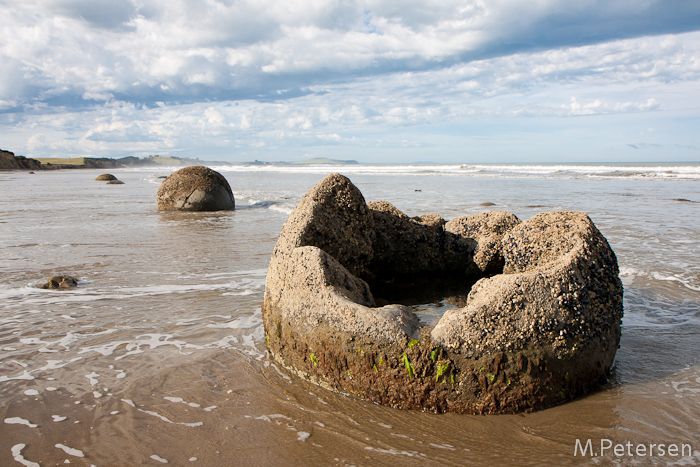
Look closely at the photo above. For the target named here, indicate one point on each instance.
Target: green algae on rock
(541, 323)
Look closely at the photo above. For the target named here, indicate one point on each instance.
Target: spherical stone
(105, 177)
(195, 188)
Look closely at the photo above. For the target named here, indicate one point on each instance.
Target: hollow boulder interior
(425, 262)
(428, 295)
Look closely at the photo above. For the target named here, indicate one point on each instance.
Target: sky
(377, 81)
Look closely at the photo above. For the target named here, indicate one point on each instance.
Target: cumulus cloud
(118, 132)
(155, 75)
(187, 50)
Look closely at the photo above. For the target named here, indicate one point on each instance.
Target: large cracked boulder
(195, 188)
(541, 322)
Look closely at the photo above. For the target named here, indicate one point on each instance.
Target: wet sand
(159, 353)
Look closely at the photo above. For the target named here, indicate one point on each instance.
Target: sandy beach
(158, 356)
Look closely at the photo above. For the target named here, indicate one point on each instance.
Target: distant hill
(78, 163)
(323, 161)
(10, 161)
(156, 160)
(129, 161)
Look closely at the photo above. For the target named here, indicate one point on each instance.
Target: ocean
(158, 356)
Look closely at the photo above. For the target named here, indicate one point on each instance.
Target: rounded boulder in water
(60, 282)
(195, 188)
(105, 177)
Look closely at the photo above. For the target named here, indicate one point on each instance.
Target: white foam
(239, 323)
(628, 271)
(156, 414)
(25, 375)
(19, 421)
(187, 322)
(610, 171)
(64, 342)
(672, 278)
(58, 418)
(70, 451)
(31, 392)
(133, 347)
(628, 274)
(239, 294)
(395, 452)
(92, 378)
(303, 436)
(181, 400)
(319, 399)
(17, 454)
(269, 418)
(56, 364)
(443, 446)
(7, 294)
(166, 419)
(284, 209)
(126, 293)
(159, 459)
(225, 342)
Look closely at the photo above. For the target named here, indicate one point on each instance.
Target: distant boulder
(105, 177)
(195, 188)
(60, 282)
(115, 182)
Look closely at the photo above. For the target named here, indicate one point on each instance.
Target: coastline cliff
(8, 161)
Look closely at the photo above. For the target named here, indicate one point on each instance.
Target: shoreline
(10, 161)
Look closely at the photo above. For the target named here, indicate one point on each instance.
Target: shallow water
(159, 356)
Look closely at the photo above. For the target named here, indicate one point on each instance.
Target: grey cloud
(639, 146)
(107, 14)
(345, 68)
(187, 51)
